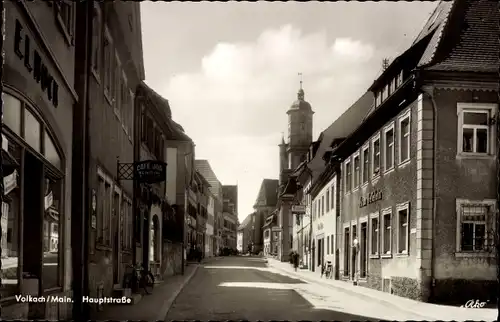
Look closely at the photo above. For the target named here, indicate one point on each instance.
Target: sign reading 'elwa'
(150, 171)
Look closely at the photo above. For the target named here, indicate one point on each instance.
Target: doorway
(347, 247)
(33, 202)
(363, 250)
(116, 238)
(320, 251)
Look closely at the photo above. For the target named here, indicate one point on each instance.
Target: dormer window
(376, 99)
(399, 79)
(384, 93)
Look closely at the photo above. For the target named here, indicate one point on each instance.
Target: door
(320, 252)
(363, 251)
(116, 240)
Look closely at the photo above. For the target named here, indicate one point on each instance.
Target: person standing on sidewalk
(295, 257)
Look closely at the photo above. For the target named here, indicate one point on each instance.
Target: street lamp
(355, 250)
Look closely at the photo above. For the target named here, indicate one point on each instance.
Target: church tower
(300, 129)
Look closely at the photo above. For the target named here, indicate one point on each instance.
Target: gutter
(429, 92)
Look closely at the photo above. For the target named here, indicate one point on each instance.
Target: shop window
(10, 230)
(403, 228)
(404, 138)
(32, 130)
(97, 40)
(375, 235)
(475, 128)
(50, 152)
(12, 113)
(51, 236)
(476, 225)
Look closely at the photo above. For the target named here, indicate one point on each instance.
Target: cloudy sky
(230, 71)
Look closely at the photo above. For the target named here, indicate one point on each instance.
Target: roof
(163, 106)
(340, 128)
(246, 221)
(300, 103)
(457, 49)
(271, 220)
(202, 178)
(204, 168)
(268, 193)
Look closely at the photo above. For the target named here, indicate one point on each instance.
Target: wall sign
(150, 171)
(372, 197)
(33, 63)
(298, 209)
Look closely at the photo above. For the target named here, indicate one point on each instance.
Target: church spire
(300, 94)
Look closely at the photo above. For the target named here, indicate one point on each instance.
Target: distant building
(265, 204)
(230, 216)
(245, 234)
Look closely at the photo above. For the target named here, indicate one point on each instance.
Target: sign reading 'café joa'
(150, 171)
(372, 197)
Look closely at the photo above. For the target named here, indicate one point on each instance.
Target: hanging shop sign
(298, 209)
(150, 171)
(372, 197)
(10, 182)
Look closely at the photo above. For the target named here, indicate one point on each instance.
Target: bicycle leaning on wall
(137, 279)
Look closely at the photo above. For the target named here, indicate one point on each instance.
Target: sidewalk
(152, 307)
(431, 311)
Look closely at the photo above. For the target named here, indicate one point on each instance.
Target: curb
(168, 303)
(359, 294)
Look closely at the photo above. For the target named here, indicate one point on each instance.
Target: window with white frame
(399, 79)
(404, 138)
(366, 164)
(374, 235)
(322, 205)
(333, 192)
(403, 228)
(376, 98)
(476, 222)
(475, 128)
(348, 177)
(384, 93)
(327, 200)
(389, 148)
(386, 232)
(376, 156)
(356, 171)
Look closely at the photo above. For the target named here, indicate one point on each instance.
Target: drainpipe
(429, 92)
(2, 31)
(498, 209)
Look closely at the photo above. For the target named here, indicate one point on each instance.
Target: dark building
(39, 97)
(265, 204)
(110, 33)
(418, 199)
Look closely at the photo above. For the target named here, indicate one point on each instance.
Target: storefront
(36, 145)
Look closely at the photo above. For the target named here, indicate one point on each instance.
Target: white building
(324, 210)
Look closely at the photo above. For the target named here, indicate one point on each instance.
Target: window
(399, 79)
(376, 99)
(108, 65)
(50, 152)
(327, 245)
(331, 244)
(389, 148)
(125, 101)
(404, 138)
(403, 228)
(32, 130)
(12, 113)
(117, 86)
(384, 93)
(476, 128)
(376, 156)
(104, 209)
(65, 18)
(387, 232)
(97, 40)
(356, 171)
(366, 164)
(144, 126)
(327, 200)
(51, 219)
(333, 197)
(131, 108)
(348, 178)
(476, 225)
(322, 205)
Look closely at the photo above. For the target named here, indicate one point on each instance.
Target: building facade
(203, 193)
(245, 241)
(292, 154)
(230, 216)
(210, 237)
(409, 226)
(39, 98)
(265, 204)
